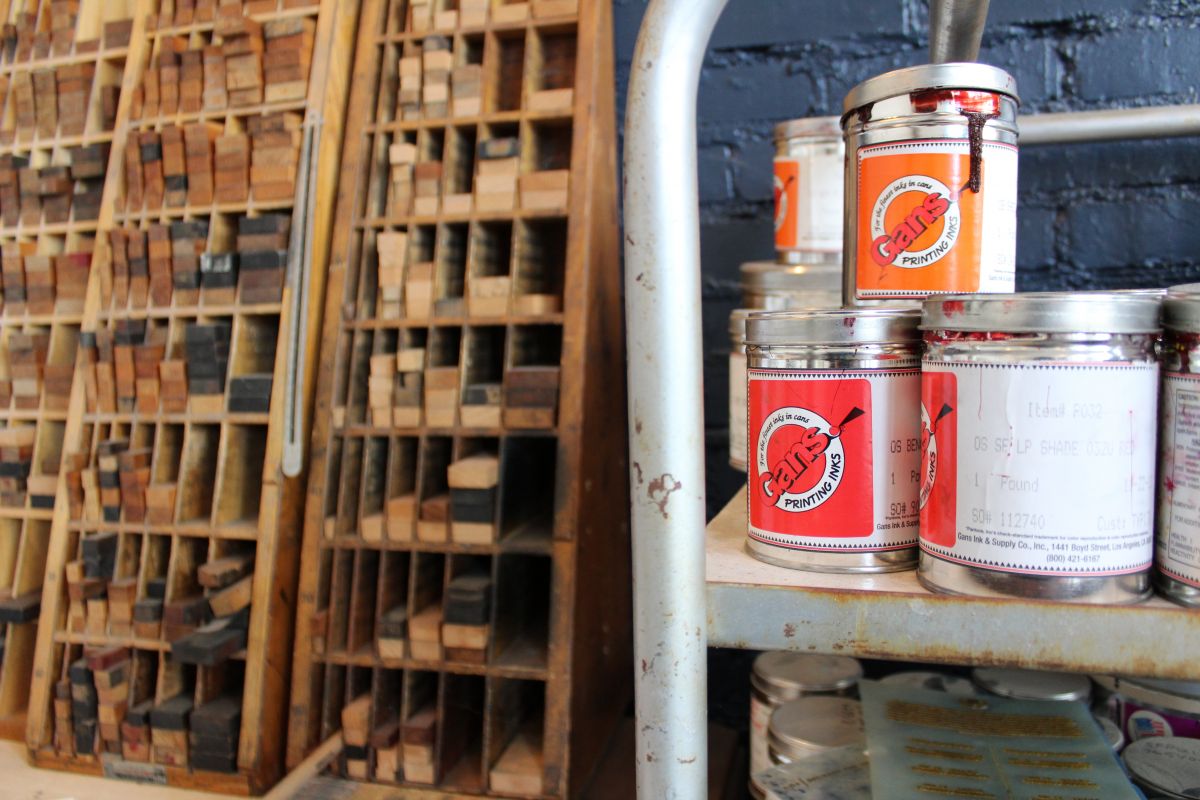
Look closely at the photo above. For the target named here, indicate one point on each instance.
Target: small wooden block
(469, 637)
(232, 598)
(519, 769)
(510, 12)
(370, 528)
(474, 472)
(472, 532)
(480, 416)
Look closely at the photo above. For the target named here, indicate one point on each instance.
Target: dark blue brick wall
(1113, 215)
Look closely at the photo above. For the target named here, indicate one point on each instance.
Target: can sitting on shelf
(811, 725)
(771, 286)
(809, 156)
(833, 451)
(931, 182)
(1031, 684)
(778, 677)
(1177, 526)
(1038, 425)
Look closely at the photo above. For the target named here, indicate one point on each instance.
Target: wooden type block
(209, 645)
(232, 598)
(433, 518)
(489, 295)
(474, 472)
(21, 609)
(545, 190)
(225, 571)
(418, 291)
(520, 767)
(356, 721)
(401, 514)
(508, 13)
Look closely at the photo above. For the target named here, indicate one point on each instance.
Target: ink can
(809, 170)
(1038, 425)
(1177, 525)
(930, 680)
(1164, 767)
(833, 450)
(811, 725)
(931, 183)
(1030, 684)
(1145, 707)
(771, 286)
(780, 676)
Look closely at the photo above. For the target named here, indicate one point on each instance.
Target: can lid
(774, 276)
(789, 675)
(1186, 689)
(1027, 684)
(1044, 312)
(737, 324)
(1181, 307)
(953, 75)
(813, 723)
(1112, 732)
(816, 128)
(869, 325)
(1166, 764)
(933, 681)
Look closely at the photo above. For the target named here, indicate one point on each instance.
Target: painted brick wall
(1099, 216)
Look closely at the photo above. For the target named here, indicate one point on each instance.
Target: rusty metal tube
(666, 437)
(955, 29)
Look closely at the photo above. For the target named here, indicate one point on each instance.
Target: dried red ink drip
(933, 337)
(975, 122)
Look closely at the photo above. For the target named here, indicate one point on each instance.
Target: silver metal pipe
(1156, 122)
(955, 29)
(666, 437)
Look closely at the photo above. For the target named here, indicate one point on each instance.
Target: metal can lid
(953, 75)
(1027, 684)
(1044, 312)
(1111, 731)
(774, 276)
(1186, 689)
(737, 324)
(934, 681)
(787, 676)
(1181, 308)
(1166, 764)
(871, 325)
(813, 723)
(815, 128)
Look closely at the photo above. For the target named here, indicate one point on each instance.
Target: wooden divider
(166, 629)
(61, 71)
(464, 599)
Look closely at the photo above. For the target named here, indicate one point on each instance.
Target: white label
(836, 459)
(1178, 541)
(760, 718)
(998, 255)
(737, 408)
(1041, 468)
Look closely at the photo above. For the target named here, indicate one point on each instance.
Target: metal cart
(694, 589)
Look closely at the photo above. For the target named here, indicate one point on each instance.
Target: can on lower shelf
(932, 681)
(1177, 526)
(771, 286)
(1167, 768)
(931, 182)
(1038, 421)
(1145, 707)
(809, 155)
(1029, 684)
(833, 450)
(811, 725)
(779, 676)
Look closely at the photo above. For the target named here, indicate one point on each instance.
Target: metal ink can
(1146, 707)
(1029, 684)
(1177, 526)
(779, 676)
(1111, 732)
(931, 182)
(811, 725)
(932, 681)
(737, 387)
(771, 286)
(833, 450)
(1165, 767)
(1043, 487)
(809, 169)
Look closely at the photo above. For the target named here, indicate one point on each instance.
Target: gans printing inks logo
(812, 463)
(914, 222)
(929, 450)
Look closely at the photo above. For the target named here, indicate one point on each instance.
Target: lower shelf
(754, 605)
(175, 777)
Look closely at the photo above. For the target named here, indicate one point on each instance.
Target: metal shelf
(890, 615)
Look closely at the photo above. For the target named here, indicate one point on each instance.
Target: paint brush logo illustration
(929, 454)
(811, 468)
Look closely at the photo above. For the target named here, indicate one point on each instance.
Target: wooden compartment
(478, 268)
(175, 450)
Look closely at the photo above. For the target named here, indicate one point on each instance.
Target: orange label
(787, 196)
(921, 230)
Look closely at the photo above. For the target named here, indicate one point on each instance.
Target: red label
(939, 458)
(810, 469)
